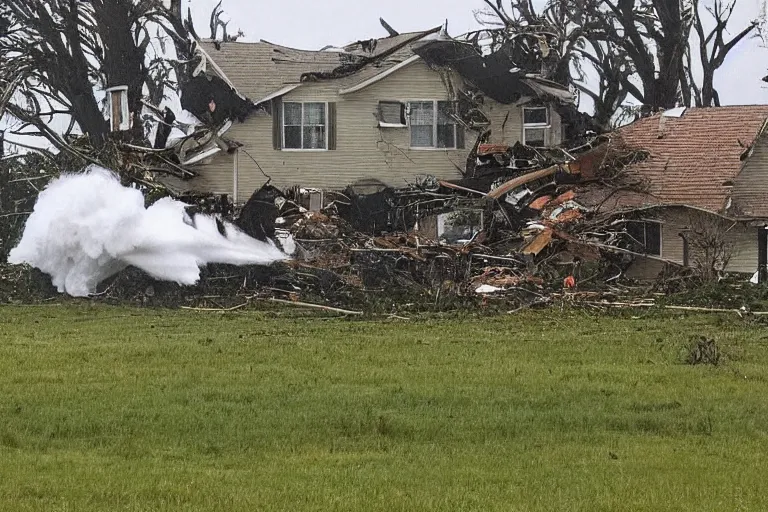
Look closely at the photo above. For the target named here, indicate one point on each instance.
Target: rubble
(523, 230)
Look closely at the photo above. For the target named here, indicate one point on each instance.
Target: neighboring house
(705, 182)
(374, 111)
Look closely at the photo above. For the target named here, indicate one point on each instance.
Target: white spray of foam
(87, 227)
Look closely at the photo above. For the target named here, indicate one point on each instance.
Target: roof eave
(379, 77)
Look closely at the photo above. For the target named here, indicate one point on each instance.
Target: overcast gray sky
(313, 24)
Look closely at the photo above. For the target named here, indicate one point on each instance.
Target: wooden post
(686, 254)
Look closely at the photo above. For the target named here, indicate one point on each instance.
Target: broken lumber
(511, 185)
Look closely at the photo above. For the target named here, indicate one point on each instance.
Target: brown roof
(260, 69)
(693, 156)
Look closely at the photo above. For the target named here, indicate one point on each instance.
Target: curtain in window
(292, 125)
(422, 124)
(314, 126)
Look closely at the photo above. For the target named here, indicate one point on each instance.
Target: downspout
(235, 176)
(686, 254)
(762, 254)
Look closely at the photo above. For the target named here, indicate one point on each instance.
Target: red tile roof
(693, 156)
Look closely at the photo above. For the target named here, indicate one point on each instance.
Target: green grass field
(148, 410)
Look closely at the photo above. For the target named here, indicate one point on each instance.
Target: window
(645, 237)
(304, 126)
(432, 124)
(535, 126)
(392, 114)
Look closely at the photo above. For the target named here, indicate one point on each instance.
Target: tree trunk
(123, 58)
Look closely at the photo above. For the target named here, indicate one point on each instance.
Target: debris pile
(521, 228)
(513, 229)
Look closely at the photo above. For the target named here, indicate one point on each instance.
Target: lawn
(149, 410)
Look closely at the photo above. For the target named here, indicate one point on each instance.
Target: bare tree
(709, 245)
(713, 49)
(637, 48)
(58, 53)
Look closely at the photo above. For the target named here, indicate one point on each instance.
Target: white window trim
(547, 126)
(434, 129)
(327, 131)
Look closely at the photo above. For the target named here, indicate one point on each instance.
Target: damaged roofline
(380, 76)
(218, 70)
(281, 92)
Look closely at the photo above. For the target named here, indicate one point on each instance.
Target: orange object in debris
(540, 203)
(539, 243)
(568, 216)
(569, 282)
(564, 198)
(491, 149)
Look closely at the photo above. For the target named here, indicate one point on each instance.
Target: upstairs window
(535, 126)
(432, 124)
(645, 237)
(305, 125)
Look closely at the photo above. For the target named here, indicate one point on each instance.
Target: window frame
(546, 126)
(435, 114)
(403, 112)
(644, 241)
(326, 125)
(117, 101)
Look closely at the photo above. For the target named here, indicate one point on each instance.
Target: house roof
(693, 158)
(258, 70)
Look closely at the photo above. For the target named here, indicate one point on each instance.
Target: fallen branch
(695, 309)
(316, 306)
(217, 310)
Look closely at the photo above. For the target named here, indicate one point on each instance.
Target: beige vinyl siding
(507, 124)
(741, 238)
(363, 149)
(750, 191)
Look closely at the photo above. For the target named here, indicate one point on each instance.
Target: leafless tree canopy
(612, 49)
(57, 53)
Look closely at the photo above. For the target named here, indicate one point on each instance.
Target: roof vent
(674, 112)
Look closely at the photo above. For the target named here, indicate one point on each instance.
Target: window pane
(293, 137)
(535, 115)
(314, 113)
(292, 114)
(423, 114)
(636, 235)
(653, 238)
(444, 111)
(314, 137)
(421, 137)
(446, 135)
(535, 137)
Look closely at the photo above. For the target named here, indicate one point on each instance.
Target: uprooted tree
(613, 49)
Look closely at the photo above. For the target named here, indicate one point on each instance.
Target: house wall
(741, 238)
(751, 185)
(507, 124)
(364, 150)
